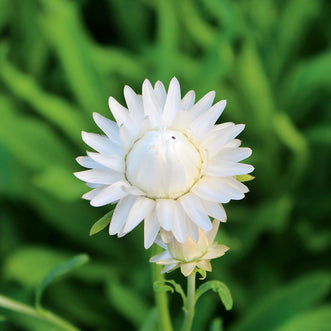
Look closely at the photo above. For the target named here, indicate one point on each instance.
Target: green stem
(161, 297)
(190, 302)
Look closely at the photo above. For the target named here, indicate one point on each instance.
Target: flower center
(163, 164)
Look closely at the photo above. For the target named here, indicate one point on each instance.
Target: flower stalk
(190, 303)
(161, 299)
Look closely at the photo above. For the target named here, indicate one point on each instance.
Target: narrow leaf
(58, 272)
(218, 287)
(101, 223)
(245, 178)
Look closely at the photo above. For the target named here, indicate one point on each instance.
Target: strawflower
(164, 161)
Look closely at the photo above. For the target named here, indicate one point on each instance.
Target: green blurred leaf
(150, 323)
(34, 144)
(303, 84)
(56, 323)
(128, 302)
(256, 89)
(63, 28)
(58, 272)
(65, 116)
(318, 319)
(101, 223)
(216, 325)
(284, 303)
(29, 266)
(319, 134)
(55, 178)
(218, 287)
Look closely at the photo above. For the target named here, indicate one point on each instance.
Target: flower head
(190, 254)
(164, 161)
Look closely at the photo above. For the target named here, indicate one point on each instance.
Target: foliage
(59, 62)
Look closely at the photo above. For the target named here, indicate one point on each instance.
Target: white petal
(215, 252)
(114, 162)
(192, 229)
(202, 105)
(214, 210)
(152, 107)
(187, 268)
(87, 162)
(195, 211)
(233, 154)
(201, 125)
(219, 136)
(134, 103)
(109, 194)
(151, 229)
(99, 176)
(209, 189)
(128, 137)
(204, 264)
(169, 267)
(91, 194)
(231, 188)
(233, 143)
(109, 127)
(160, 93)
(178, 226)
(211, 235)
(101, 144)
(165, 209)
(173, 102)
(122, 115)
(227, 168)
(236, 184)
(141, 208)
(165, 255)
(121, 213)
(188, 100)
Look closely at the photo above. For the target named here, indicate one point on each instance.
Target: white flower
(164, 162)
(189, 254)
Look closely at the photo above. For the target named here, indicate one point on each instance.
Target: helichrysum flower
(190, 254)
(164, 161)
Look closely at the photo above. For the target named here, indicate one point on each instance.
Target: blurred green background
(271, 60)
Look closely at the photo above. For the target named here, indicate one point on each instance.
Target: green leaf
(244, 178)
(284, 303)
(316, 320)
(57, 323)
(150, 323)
(218, 287)
(202, 273)
(128, 302)
(56, 273)
(101, 223)
(161, 286)
(216, 325)
(54, 178)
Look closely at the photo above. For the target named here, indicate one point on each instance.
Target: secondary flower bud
(190, 254)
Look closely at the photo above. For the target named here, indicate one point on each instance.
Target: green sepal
(244, 178)
(162, 286)
(56, 273)
(202, 272)
(218, 287)
(101, 223)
